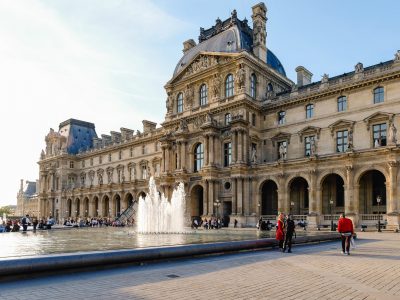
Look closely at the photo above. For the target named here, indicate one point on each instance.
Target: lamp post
(217, 203)
(378, 200)
(330, 211)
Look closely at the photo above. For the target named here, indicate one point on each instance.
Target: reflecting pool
(17, 244)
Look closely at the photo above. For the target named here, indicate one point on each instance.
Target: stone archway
(96, 206)
(106, 207)
(117, 205)
(86, 207)
(298, 199)
(77, 207)
(269, 198)
(372, 184)
(128, 200)
(69, 208)
(196, 201)
(332, 189)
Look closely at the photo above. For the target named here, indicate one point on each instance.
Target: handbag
(352, 243)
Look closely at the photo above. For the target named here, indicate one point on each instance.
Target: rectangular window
(309, 111)
(91, 162)
(342, 103)
(144, 172)
(379, 134)
(378, 95)
(281, 117)
(71, 164)
(309, 145)
(342, 141)
(227, 154)
(83, 163)
(282, 149)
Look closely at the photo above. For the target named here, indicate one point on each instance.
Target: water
(158, 215)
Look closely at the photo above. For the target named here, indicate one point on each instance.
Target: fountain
(158, 215)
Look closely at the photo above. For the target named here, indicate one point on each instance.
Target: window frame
(253, 85)
(227, 154)
(203, 95)
(228, 119)
(379, 94)
(198, 156)
(281, 120)
(342, 142)
(373, 131)
(310, 111)
(229, 86)
(179, 103)
(342, 103)
(307, 144)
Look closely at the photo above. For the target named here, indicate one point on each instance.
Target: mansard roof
(229, 36)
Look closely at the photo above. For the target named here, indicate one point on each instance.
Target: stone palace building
(245, 140)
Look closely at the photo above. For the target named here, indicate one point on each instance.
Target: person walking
(346, 230)
(34, 223)
(290, 230)
(280, 234)
(25, 222)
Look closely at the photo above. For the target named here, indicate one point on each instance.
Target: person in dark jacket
(290, 230)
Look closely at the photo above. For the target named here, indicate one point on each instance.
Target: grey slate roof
(80, 135)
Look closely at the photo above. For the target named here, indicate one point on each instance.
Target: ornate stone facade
(252, 139)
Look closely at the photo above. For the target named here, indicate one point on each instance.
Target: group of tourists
(96, 222)
(285, 230)
(24, 222)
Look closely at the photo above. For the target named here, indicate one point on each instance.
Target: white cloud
(90, 60)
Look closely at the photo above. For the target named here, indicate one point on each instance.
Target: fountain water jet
(158, 215)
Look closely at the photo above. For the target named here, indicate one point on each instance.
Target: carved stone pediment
(341, 124)
(379, 117)
(281, 136)
(200, 62)
(309, 130)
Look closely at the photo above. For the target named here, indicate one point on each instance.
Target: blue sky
(107, 61)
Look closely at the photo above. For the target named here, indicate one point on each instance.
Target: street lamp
(291, 206)
(378, 200)
(330, 211)
(217, 203)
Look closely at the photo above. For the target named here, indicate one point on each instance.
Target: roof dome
(230, 38)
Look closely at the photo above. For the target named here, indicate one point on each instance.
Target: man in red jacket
(346, 230)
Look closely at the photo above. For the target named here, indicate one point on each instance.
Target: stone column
(234, 145)
(92, 208)
(206, 150)
(178, 155)
(255, 208)
(247, 201)
(234, 197)
(240, 146)
(283, 195)
(313, 214)
(167, 159)
(392, 201)
(163, 159)
(349, 188)
(239, 193)
(246, 147)
(205, 198)
(212, 149)
(211, 196)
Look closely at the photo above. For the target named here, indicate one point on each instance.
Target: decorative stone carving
(350, 146)
(325, 78)
(397, 56)
(253, 155)
(170, 102)
(189, 95)
(201, 63)
(216, 85)
(183, 125)
(241, 77)
(359, 68)
(282, 152)
(259, 32)
(392, 140)
(313, 148)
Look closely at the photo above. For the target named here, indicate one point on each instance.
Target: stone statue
(42, 155)
(189, 94)
(109, 175)
(397, 56)
(376, 144)
(254, 155)
(350, 141)
(358, 68)
(183, 125)
(392, 134)
(282, 151)
(169, 102)
(325, 78)
(241, 77)
(216, 85)
(100, 178)
(313, 148)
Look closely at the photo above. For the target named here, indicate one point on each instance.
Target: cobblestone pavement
(320, 271)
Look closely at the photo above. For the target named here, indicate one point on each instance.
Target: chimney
(21, 188)
(303, 76)
(148, 126)
(259, 31)
(187, 45)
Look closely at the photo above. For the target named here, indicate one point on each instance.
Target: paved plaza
(319, 271)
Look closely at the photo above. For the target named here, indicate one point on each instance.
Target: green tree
(6, 210)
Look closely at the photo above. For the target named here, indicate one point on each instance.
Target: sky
(106, 62)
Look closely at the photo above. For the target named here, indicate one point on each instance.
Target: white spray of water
(158, 215)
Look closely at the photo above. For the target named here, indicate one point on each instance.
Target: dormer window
(253, 86)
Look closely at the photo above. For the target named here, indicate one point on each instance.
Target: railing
(371, 217)
(333, 217)
(299, 217)
(268, 217)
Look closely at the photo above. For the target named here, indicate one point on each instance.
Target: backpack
(24, 220)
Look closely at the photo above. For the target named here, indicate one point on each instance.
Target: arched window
(342, 103)
(228, 119)
(229, 86)
(378, 95)
(270, 88)
(203, 95)
(179, 103)
(253, 86)
(198, 157)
